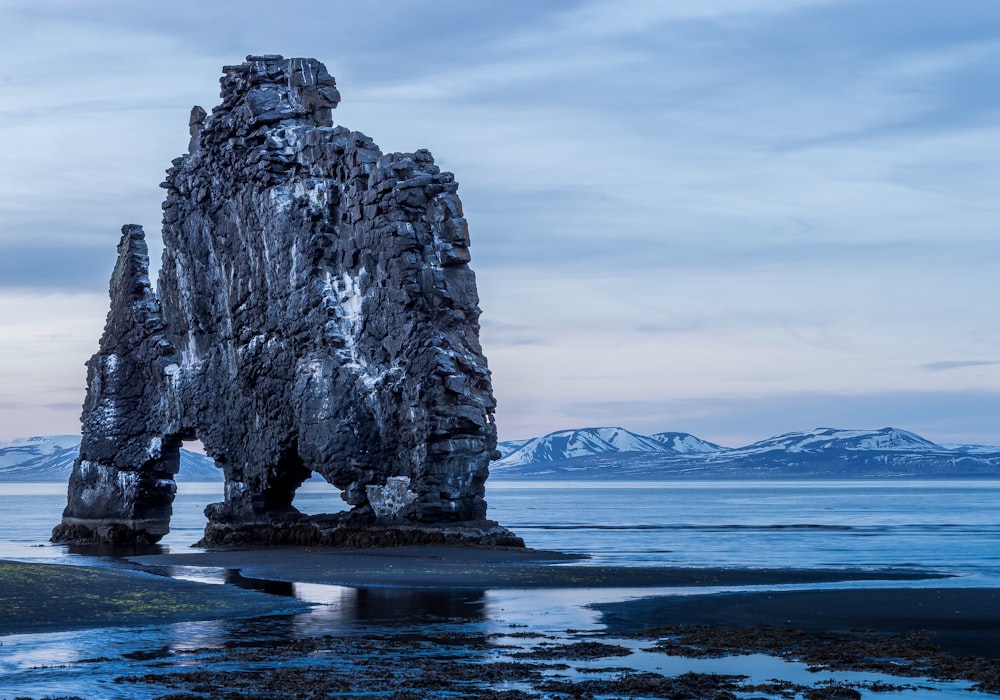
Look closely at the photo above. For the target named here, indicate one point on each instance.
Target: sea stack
(315, 313)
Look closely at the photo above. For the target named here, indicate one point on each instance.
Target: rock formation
(315, 312)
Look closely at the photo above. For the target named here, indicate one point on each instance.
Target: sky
(734, 218)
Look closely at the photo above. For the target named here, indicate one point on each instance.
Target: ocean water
(951, 526)
(941, 526)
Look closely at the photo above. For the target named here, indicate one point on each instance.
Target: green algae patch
(51, 597)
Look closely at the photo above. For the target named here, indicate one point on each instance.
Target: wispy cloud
(48, 268)
(957, 364)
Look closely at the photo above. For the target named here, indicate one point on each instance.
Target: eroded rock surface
(315, 312)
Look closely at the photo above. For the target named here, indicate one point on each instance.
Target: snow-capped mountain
(685, 443)
(820, 453)
(507, 447)
(48, 458)
(568, 444)
(822, 439)
(51, 457)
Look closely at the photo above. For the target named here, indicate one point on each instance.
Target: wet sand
(444, 566)
(49, 597)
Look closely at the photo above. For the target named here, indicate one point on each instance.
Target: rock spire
(315, 313)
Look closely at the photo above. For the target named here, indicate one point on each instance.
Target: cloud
(957, 364)
(55, 267)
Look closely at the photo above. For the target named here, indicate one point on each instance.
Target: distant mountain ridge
(619, 454)
(51, 457)
(612, 454)
(569, 444)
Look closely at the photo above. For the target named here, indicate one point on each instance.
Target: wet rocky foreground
(453, 660)
(318, 639)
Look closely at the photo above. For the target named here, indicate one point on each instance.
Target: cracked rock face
(315, 312)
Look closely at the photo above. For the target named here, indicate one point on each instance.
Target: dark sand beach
(478, 568)
(964, 621)
(46, 597)
(938, 632)
(943, 633)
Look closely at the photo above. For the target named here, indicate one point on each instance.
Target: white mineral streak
(110, 483)
(305, 67)
(344, 291)
(126, 481)
(321, 384)
(215, 267)
(345, 295)
(351, 300)
(234, 489)
(189, 355)
(106, 413)
(90, 492)
(281, 198)
(264, 235)
(155, 448)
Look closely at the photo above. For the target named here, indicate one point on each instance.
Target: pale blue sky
(728, 217)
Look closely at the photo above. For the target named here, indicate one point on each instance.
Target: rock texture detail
(315, 312)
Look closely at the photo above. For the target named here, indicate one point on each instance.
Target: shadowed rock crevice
(315, 313)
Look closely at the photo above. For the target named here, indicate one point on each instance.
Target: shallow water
(948, 526)
(94, 663)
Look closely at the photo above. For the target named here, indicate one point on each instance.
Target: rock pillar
(315, 313)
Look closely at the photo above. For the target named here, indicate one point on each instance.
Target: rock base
(337, 531)
(98, 532)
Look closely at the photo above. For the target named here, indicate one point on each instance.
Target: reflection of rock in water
(315, 312)
(405, 606)
(283, 588)
(388, 604)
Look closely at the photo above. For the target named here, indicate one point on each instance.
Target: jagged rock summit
(315, 312)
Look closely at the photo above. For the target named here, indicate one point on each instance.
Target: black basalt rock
(315, 312)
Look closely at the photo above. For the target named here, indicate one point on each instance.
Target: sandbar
(457, 567)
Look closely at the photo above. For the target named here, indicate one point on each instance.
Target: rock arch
(315, 312)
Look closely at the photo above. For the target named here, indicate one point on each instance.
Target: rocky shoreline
(450, 643)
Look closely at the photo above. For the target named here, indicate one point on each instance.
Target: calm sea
(952, 526)
(944, 526)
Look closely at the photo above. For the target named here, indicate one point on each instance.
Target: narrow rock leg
(122, 486)
(113, 506)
